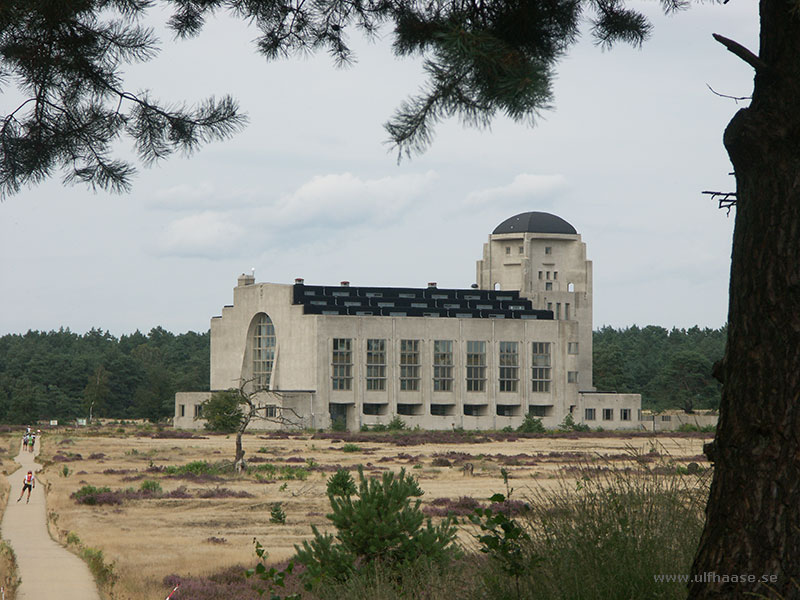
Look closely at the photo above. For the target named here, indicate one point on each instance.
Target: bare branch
(734, 98)
(746, 55)
(727, 200)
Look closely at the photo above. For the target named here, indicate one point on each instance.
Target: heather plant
(88, 494)
(351, 448)
(378, 525)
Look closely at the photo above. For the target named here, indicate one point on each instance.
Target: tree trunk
(753, 513)
(238, 462)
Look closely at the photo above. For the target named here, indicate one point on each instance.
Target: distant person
(27, 484)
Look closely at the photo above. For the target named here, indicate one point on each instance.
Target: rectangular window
(538, 411)
(409, 365)
(198, 411)
(521, 249)
(558, 311)
(572, 377)
(476, 366)
(624, 414)
(548, 286)
(376, 365)
(342, 364)
(572, 347)
(509, 366)
(442, 366)
(508, 249)
(566, 311)
(441, 410)
(540, 369)
(548, 250)
(555, 274)
(182, 410)
(271, 411)
(589, 414)
(666, 418)
(608, 414)
(540, 274)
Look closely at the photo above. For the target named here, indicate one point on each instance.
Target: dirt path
(47, 570)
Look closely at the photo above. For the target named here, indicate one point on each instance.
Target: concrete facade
(519, 342)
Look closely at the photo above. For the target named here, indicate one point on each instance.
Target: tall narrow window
(572, 348)
(566, 311)
(558, 311)
(476, 366)
(540, 369)
(409, 365)
(509, 366)
(376, 365)
(342, 364)
(443, 366)
(263, 344)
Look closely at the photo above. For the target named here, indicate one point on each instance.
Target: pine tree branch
(746, 55)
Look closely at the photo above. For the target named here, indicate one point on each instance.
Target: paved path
(48, 571)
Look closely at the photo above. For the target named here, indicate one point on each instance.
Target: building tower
(543, 257)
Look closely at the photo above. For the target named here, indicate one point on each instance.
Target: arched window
(570, 287)
(263, 345)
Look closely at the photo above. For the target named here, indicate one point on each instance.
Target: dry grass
(151, 538)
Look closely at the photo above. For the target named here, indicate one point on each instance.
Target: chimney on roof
(345, 284)
(299, 281)
(431, 284)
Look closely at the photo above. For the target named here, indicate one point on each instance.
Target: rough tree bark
(753, 514)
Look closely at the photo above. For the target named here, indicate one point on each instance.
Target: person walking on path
(27, 484)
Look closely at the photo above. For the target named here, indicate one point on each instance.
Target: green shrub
(531, 424)
(72, 538)
(277, 515)
(396, 424)
(88, 494)
(151, 486)
(569, 424)
(103, 572)
(341, 484)
(351, 448)
(339, 424)
(378, 525)
(222, 411)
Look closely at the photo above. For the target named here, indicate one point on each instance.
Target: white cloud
(208, 234)
(524, 187)
(346, 200)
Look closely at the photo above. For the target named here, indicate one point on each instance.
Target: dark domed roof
(535, 222)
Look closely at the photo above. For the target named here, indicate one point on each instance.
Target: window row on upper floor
(443, 366)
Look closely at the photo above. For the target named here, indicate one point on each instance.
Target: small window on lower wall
(624, 414)
(198, 411)
(608, 414)
(589, 414)
(572, 377)
(539, 411)
(375, 409)
(410, 409)
(441, 410)
(508, 410)
(182, 410)
(475, 410)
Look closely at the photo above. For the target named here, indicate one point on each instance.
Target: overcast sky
(311, 189)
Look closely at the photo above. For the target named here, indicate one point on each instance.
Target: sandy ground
(147, 540)
(47, 570)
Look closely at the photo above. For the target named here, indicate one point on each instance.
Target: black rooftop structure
(415, 302)
(535, 222)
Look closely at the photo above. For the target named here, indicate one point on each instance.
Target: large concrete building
(517, 342)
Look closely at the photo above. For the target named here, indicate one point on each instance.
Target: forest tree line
(63, 375)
